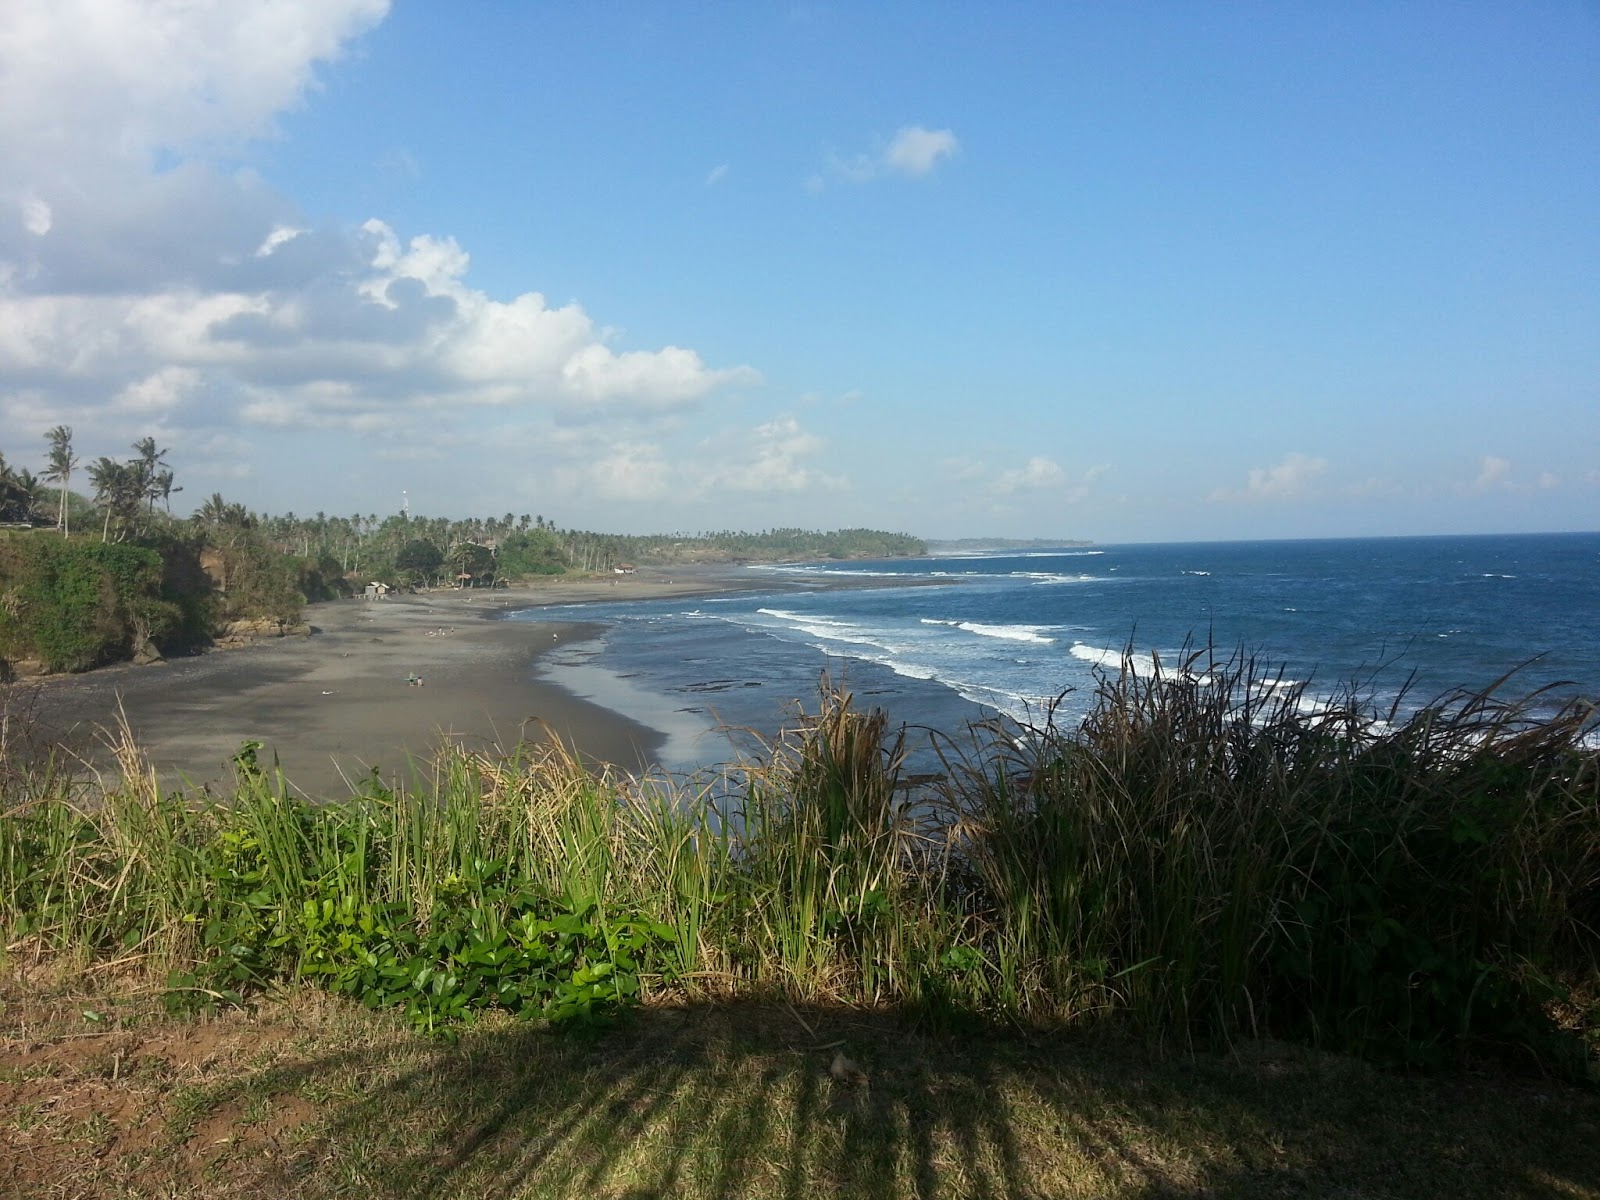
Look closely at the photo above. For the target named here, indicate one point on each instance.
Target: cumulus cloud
(1495, 475)
(774, 458)
(912, 153)
(915, 151)
(158, 393)
(1493, 472)
(1038, 474)
(769, 458)
(632, 471)
(1284, 481)
(128, 78)
(141, 282)
(37, 217)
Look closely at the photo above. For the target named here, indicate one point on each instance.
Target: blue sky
(1122, 272)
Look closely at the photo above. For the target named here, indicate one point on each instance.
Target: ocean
(941, 642)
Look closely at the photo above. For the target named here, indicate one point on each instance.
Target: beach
(337, 704)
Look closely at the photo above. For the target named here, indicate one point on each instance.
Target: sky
(1131, 272)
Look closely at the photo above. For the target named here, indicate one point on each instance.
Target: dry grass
(309, 1097)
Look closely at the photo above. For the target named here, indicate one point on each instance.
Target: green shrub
(1206, 857)
(75, 604)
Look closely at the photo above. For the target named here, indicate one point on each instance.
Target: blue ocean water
(940, 642)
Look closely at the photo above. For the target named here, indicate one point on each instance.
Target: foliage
(76, 604)
(19, 495)
(254, 577)
(531, 552)
(472, 560)
(594, 551)
(1210, 855)
(419, 561)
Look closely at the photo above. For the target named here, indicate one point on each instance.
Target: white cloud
(717, 174)
(37, 217)
(122, 79)
(158, 393)
(1495, 475)
(1284, 481)
(1493, 472)
(1039, 474)
(632, 471)
(278, 237)
(769, 458)
(913, 152)
(203, 299)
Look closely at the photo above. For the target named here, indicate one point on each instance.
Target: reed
(1213, 853)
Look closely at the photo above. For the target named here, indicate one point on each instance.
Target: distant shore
(334, 705)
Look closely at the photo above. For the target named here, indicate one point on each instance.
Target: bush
(1208, 856)
(76, 604)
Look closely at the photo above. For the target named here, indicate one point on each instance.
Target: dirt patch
(154, 1108)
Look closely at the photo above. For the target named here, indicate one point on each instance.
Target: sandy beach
(334, 705)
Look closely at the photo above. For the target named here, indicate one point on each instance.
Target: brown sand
(337, 704)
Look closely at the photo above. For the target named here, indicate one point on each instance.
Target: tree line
(125, 577)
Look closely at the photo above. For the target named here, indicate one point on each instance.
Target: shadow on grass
(723, 1102)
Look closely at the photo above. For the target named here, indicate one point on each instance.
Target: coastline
(335, 705)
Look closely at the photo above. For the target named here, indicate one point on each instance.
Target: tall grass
(1210, 854)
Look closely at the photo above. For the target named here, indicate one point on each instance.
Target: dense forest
(108, 573)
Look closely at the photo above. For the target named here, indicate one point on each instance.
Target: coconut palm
(146, 471)
(58, 470)
(10, 493)
(119, 492)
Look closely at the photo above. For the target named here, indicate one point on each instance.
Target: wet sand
(337, 704)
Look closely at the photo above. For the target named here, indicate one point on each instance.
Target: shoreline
(336, 704)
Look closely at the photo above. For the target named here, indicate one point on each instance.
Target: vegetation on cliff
(1203, 859)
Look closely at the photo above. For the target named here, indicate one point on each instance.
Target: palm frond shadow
(724, 1101)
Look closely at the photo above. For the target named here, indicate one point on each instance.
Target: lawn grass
(314, 1097)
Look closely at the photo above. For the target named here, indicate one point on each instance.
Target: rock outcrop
(255, 629)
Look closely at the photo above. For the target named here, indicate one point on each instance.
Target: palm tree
(119, 490)
(25, 487)
(144, 470)
(164, 489)
(58, 469)
(8, 491)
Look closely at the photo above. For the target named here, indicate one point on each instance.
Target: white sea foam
(980, 554)
(784, 614)
(1194, 572)
(1047, 580)
(1312, 706)
(1011, 633)
(1139, 664)
(910, 670)
(811, 569)
(833, 630)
